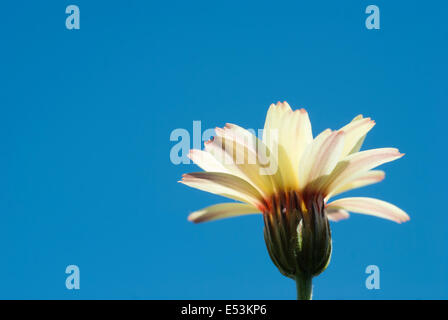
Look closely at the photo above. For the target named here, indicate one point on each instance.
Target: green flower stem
(304, 287)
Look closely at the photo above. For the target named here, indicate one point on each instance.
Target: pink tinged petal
(327, 156)
(310, 156)
(238, 137)
(206, 161)
(221, 211)
(362, 180)
(355, 134)
(334, 214)
(241, 161)
(225, 185)
(360, 142)
(242, 135)
(246, 139)
(353, 165)
(275, 116)
(370, 206)
(259, 152)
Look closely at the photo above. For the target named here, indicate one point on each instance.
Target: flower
(289, 177)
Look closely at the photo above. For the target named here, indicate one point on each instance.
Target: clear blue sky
(86, 115)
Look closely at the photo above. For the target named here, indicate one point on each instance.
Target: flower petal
(325, 159)
(221, 211)
(364, 179)
(309, 157)
(257, 150)
(334, 214)
(242, 135)
(357, 163)
(360, 142)
(355, 133)
(224, 184)
(288, 133)
(370, 206)
(241, 161)
(206, 161)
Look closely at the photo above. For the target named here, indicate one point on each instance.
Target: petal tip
(198, 217)
(209, 141)
(185, 176)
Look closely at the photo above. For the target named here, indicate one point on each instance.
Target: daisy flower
(289, 176)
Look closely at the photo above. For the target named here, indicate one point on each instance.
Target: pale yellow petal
(240, 160)
(303, 136)
(358, 145)
(309, 157)
(370, 206)
(206, 161)
(294, 136)
(272, 132)
(244, 136)
(221, 211)
(362, 180)
(275, 116)
(288, 133)
(257, 151)
(355, 133)
(354, 164)
(326, 157)
(225, 185)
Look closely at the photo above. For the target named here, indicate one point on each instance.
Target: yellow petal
(276, 115)
(370, 206)
(288, 133)
(221, 211)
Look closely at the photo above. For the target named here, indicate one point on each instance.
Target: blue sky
(86, 116)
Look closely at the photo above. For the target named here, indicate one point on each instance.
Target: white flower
(325, 166)
(289, 177)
